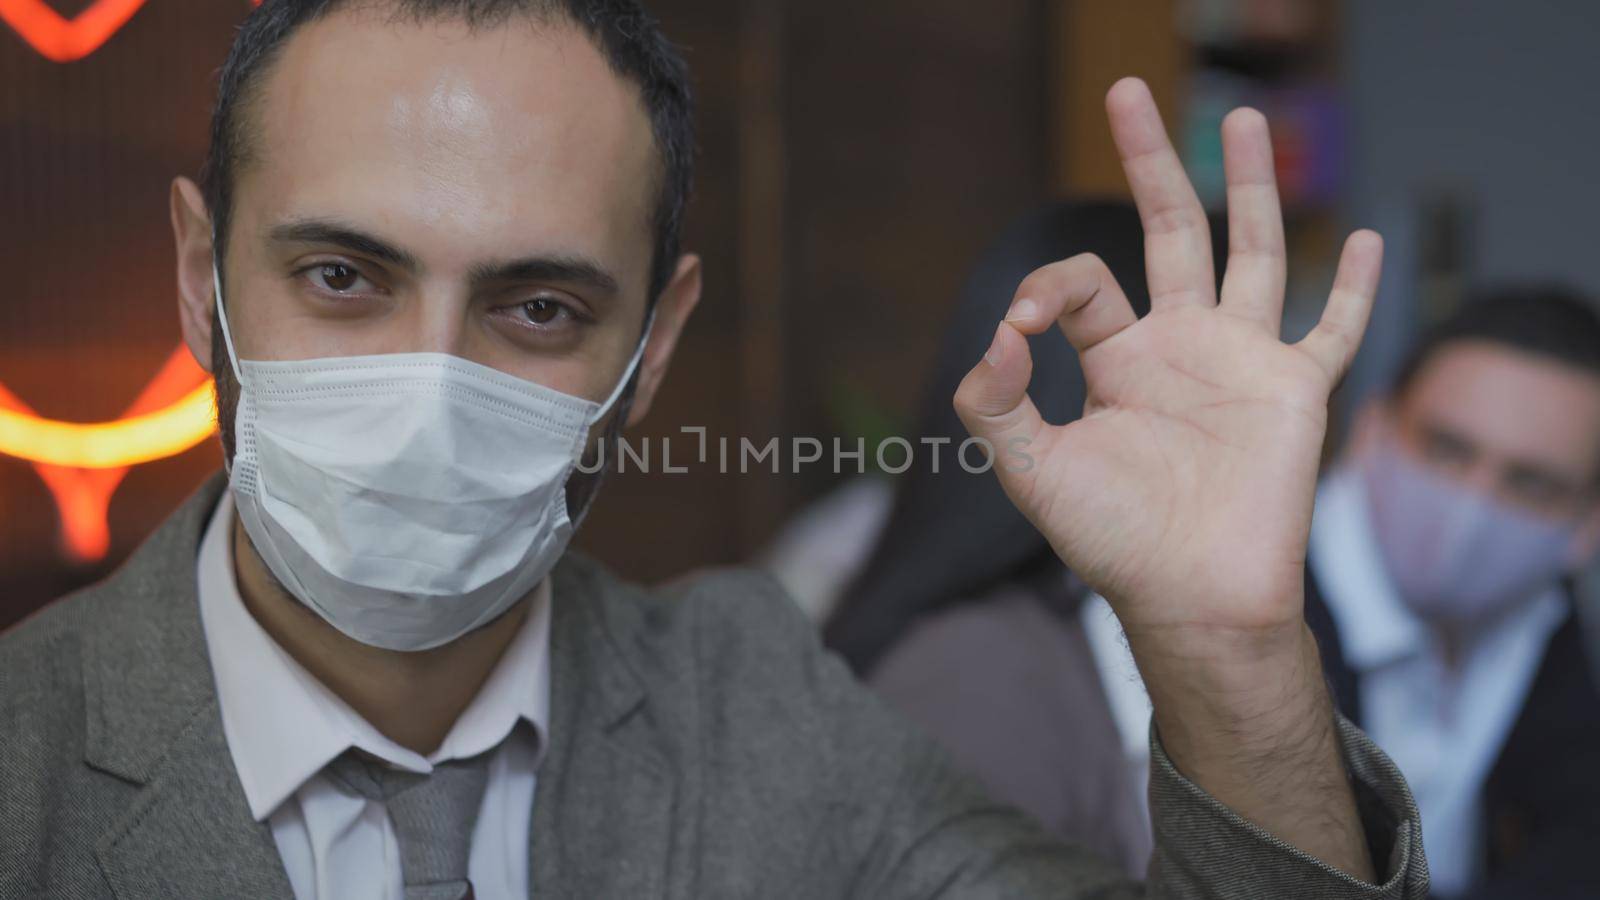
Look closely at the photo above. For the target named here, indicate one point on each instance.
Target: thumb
(993, 401)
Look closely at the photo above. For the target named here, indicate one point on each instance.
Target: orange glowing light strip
(68, 40)
(65, 40)
(108, 445)
(83, 496)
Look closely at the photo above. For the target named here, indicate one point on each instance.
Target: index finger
(1177, 238)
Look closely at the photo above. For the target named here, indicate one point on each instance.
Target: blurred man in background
(1444, 546)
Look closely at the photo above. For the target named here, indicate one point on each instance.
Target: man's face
(425, 187)
(1514, 426)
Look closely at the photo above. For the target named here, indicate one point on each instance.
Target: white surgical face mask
(406, 498)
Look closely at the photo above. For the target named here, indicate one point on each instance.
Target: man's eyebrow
(326, 231)
(560, 268)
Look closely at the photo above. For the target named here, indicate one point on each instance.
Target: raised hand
(1184, 493)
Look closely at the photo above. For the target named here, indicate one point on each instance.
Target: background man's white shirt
(283, 726)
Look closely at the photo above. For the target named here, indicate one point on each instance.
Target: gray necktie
(432, 814)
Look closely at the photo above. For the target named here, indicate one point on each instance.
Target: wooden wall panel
(1092, 45)
(915, 133)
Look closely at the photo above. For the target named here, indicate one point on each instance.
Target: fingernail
(1022, 309)
(992, 355)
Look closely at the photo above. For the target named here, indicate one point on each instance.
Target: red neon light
(83, 496)
(63, 40)
(67, 40)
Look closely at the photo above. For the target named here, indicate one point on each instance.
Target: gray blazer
(702, 745)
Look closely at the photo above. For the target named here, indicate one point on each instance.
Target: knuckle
(963, 399)
(1066, 285)
(1089, 264)
(1071, 276)
(1175, 219)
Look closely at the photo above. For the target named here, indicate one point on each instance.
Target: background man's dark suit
(1542, 799)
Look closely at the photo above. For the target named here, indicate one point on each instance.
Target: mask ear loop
(627, 374)
(227, 339)
(222, 318)
(616, 392)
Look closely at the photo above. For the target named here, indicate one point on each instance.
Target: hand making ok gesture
(1184, 493)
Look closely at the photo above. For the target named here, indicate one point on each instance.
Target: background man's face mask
(406, 498)
(1453, 553)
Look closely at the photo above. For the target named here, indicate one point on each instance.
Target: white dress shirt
(283, 726)
(1443, 726)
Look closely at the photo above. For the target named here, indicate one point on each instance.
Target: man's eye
(542, 310)
(1536, 487)
(336, 277)
(1444, 448)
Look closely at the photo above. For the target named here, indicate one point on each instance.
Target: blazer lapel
(152, 719)
(189, 833)
(602, 822)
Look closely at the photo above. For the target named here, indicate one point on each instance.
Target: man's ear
(1368, 424)
(673, 307)
(1586, 543)
(191, 231)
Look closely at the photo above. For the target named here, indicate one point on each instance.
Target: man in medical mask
(1443, 547)
(433, 262)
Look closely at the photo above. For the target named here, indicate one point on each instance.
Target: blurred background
(856, 158)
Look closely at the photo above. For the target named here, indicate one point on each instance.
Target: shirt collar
(283, 725)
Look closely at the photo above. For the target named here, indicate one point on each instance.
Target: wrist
(1226, 699)
(1237, 662)
(1257, 733)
